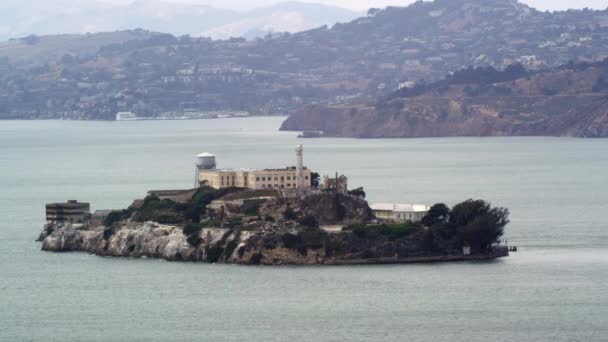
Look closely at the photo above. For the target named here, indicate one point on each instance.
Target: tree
(115, 217)
(289, 214)
(439, 213)
(309, 221)
(315, 180)
(359, 192)
(478, 224)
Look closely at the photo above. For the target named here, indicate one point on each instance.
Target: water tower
(204, 161)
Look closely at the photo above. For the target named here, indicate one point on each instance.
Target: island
(252, 227)
(276, 216)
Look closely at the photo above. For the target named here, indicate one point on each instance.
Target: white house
(400, 213)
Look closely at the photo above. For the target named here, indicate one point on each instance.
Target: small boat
(311, 134)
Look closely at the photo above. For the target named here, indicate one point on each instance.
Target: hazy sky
(365, 4)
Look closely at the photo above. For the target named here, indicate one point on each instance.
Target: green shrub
(235, 222)
(291, 241)
(166, 218)
(313, 238)
(359, 192)
(115, 217)
(289, 214)
(309, 221)
(213, 223)
(251, 207)
(340, 210)
(392, 231)
(360, 231)
(192, 228)
(153, 208)
(397, 231)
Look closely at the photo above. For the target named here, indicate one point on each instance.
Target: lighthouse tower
(300, 167)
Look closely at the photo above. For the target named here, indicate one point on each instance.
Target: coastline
(227, 246)
(497, 253)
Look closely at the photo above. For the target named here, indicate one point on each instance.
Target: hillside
(365, 59)
(566, 101)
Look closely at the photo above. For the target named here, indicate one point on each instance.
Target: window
(257, 179)
(263, 179)
(276, 178)
(282, 178)
(288, 178)
(306, 177)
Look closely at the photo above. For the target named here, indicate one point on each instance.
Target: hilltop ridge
(368, 58)
(71, 17)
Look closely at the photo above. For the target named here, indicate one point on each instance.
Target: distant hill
(566, 101)
(283, 17)
(39, 17)
(95, 76)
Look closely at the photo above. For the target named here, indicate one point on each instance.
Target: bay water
(553, 289)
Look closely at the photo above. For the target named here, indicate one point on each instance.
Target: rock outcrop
(303, 246)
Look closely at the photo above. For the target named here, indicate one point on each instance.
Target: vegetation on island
(473, 223)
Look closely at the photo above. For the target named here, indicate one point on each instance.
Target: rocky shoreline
(153, 240)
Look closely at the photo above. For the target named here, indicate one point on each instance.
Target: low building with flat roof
(400, 213)
(69, 212)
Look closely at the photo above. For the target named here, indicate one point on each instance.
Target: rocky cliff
(294, 247)
(566, 101)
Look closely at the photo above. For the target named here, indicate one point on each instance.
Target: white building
(125, 116)
(400, 213)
